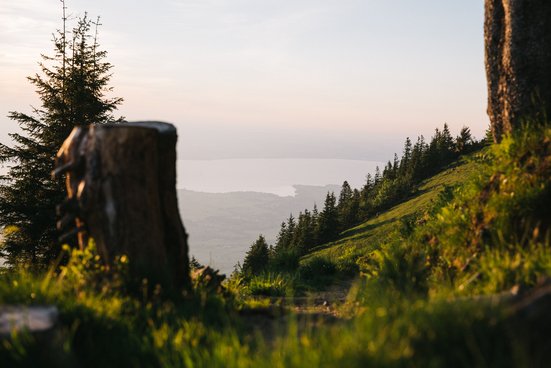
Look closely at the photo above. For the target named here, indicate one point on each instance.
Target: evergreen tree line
(397, 180)
(72, 85)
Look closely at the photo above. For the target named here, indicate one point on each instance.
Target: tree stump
(121, 186)
(517, 37)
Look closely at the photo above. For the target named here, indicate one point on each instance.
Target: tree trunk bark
(517, 37)
(121, 184)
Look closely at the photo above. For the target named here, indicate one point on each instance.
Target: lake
(275, 176)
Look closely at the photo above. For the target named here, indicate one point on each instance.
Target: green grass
(368, 236)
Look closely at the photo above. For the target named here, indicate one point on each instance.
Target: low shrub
(317, 271)
(286, 260)
(270, 284)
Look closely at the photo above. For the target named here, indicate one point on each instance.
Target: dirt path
(304, 313)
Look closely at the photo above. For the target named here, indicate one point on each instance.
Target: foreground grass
(388, 329)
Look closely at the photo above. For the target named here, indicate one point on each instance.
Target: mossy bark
(518, 62)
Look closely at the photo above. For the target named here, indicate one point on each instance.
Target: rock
(517, 37)
(27, 318)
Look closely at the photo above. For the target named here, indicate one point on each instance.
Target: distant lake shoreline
(277, 176)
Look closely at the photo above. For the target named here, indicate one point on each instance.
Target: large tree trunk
(518, 62)
(121, 184)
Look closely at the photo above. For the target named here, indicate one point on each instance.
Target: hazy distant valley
(222, 226)
(227, 203)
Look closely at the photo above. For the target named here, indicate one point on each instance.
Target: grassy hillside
(369, 235)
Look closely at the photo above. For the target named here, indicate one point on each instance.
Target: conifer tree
(406, 158)
(282, 240)
(352, 215)
(395, 165)
(345, 195)
(419, 159)
(448, 145)
(304, 237)
(297, 236)
(377, 177)
(257, 258)
(328, 220)
(464, 140)
(72, 88)
(365, 197)
(315, 225)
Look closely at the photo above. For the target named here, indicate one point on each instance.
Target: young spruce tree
(72, 88)
(257, 258)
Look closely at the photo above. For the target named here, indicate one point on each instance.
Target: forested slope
(365, 237)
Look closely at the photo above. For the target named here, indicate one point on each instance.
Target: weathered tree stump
(518, 62)
(121, 185)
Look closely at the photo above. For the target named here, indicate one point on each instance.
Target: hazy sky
(272, 78)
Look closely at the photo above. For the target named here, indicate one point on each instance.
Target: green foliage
(101, 323)
(513, 264)
(270, 284)
(347, 266)
(72, 88)
(478, 238)
(328, 224)
(396, 267)
(317, 271)
(286, 260)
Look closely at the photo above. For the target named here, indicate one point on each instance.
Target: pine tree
(291, 228)
(282, 240)
(257, 257)
(345, 195)
(448, 145)
(352, 216)
(406, 158)
(365, 197)
(298, 233)
(72, 87)
(434, 157)
(304, 235)
(328, 226)
(286, 234)
(395, 166)
(315, 226)
(419, 159)
(348, 206)
(387, 171)
(464, 140)
(445, 146)
(377, 177)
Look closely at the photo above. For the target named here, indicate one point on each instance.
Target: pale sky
(272, 78)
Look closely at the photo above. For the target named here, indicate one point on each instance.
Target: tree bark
(517, 37)
(121, 184)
